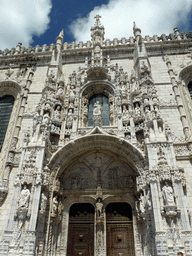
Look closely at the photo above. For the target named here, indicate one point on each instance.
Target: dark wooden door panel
(120, 240)
(80, 240)
(81, 230)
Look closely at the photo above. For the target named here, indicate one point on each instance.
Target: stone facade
(58, 151)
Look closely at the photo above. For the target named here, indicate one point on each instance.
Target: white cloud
(21, 19)
(151, 16)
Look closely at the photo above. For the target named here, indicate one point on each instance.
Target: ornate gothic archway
(97, 169)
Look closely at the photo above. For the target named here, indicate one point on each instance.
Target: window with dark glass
(190, 89)
(6, 105)
(104, 103)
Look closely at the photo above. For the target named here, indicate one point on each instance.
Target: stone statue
(57, 113)
(147, 113)
(55, 205)
(99, 207)
(70, 118)
(36, 120)
(24, 198)
(43, 202)
(137, 110)
(125, 112)
(60, 93)
(97, 120)
(148, 200)
(97, 109)
(60, 208)
(168, 194)
(141, 204)
(46, 118)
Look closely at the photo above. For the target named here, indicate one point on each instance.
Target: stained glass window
(6, 105)
(104, 103)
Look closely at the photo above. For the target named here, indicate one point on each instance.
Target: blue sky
(38, 22)
(62, 14)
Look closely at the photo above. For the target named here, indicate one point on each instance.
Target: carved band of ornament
(186, 233)
(158, 145)
(182, 150)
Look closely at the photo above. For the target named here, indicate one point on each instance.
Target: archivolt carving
(92, 142)
(186, 74)
(95, 87)
(9, 87)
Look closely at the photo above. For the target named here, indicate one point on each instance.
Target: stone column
(156, 206)
(64, 232)
(178, 99)
(100, 234)
(178, 188)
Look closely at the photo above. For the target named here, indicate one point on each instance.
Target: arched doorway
(92, 162)
(81, 230)
(120, 239)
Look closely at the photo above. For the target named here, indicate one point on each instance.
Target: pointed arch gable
(121, 148)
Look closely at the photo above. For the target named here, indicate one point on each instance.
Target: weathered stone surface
(58, 151)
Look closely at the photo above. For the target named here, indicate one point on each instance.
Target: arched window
(6, 105)
(104, 103)
(190, 88)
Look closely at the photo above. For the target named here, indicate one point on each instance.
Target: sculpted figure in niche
(168, 194)
(46, 118)
(55, 205)
(24, 198)
(60, 208)
(123, 90)
(141, 204)
(36, 119)
(58, 113)
(70, 113)
(60, 93)
(147, 113)
(137, 110)
(97, 109)
(99, 207)
(43, 202)
(70, 119)
(72, 94)
(148, 200)
(125, 112)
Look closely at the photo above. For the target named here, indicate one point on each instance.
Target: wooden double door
(120, 240)
(119, 229)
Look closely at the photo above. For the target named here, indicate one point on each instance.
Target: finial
(97, 22)
(134, 26)
(61, 34)
(137, 33)
(136, 30)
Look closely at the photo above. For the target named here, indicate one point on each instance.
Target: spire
(137, 33)
(61, 34)
(97, 32)
(59, 39)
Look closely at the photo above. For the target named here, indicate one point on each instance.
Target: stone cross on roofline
(97, 20)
